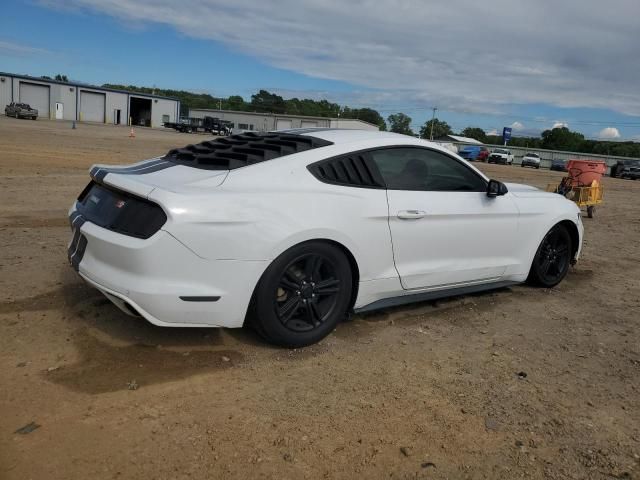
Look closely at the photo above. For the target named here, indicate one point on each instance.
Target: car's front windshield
(499, 150)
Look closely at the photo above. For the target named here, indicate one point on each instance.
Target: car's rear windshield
(534, 155)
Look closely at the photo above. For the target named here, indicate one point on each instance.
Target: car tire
(538, 167)
(302, 295)
(553, 258)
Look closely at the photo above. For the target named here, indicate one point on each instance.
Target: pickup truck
(501, 155)
(20, 110)
(211, 125)
(626, 169)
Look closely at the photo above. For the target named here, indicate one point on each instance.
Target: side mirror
(496, 188)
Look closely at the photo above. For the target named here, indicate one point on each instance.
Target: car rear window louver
(237, 151)
(352, 170)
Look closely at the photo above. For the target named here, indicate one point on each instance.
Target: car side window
(405, 168)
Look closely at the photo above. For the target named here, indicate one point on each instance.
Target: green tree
(475, 132)
(61, 78)
(267, 102)
(235, 102)
(562, 139)
(440, 129)
(400, 123)
(365, 114)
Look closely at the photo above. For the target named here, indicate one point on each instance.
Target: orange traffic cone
(132, 133)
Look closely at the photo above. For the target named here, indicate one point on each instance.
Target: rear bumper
(163, 280)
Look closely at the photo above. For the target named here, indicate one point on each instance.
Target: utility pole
(433, 120)
(219, 104)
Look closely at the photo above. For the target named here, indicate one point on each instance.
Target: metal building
(264, 122)
(58, 100)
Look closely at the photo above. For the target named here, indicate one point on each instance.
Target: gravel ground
(516, 383)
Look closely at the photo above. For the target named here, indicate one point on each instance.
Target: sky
(530, 65)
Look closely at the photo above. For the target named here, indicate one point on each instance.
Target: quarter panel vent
(352, 170)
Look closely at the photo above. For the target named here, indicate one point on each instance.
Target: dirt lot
(428, 391)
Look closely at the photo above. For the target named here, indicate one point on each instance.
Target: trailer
(212, 125)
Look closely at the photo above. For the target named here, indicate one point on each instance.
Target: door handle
(411, 214)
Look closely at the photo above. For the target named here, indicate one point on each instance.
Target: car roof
(344, 135)
(235, 151)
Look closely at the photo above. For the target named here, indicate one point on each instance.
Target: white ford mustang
(292, 230)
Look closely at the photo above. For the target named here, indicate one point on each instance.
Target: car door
(445, 230)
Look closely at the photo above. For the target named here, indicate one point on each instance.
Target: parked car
(474, 153)
(20, 110)
(626, 169)
(531, 160)
(502, 156)
(349, 220)
(558, 165)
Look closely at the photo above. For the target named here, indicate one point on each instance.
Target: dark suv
(626, 169)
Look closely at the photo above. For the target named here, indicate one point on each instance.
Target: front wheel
(303, 295)
(552, 260)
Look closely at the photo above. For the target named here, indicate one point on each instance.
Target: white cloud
(560, 125)
(492, 132)
(517, 126)
(20, 50)
(424, 49)
(609, 133)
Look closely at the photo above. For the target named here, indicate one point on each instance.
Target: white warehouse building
(57, 100)
(265, 122)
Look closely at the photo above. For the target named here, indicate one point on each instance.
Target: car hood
(143, 177)
(521, 190)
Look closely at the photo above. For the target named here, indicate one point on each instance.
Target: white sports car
(292, 230)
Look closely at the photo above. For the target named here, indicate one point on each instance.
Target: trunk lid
(143, 177)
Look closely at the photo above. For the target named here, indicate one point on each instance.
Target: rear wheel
(552, 260)
(303, 295)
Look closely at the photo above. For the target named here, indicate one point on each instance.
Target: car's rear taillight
(120, 211)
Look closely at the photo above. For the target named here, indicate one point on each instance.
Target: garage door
(308, 124)
(91, 107)
(283, 124)
(37, 96)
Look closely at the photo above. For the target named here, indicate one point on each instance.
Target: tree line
(553, 139)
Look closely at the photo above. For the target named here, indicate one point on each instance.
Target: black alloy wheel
(553, 258)
(307, 293)
(303, 294)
